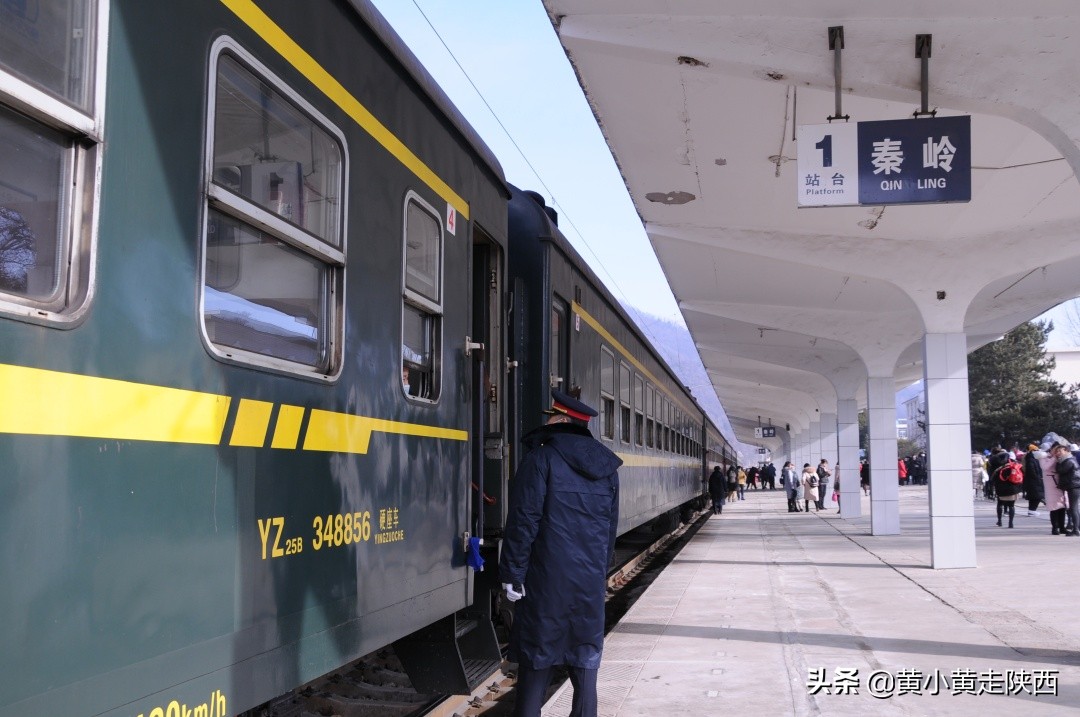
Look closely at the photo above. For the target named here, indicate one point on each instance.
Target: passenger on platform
(1055, 497)
(1033, 480)
(978, 473)
(919, 468)
(717, 490)
(1007, 490)
(810, 486)
(791, 487)
(752, 477)
(902, 471)
(1068, 477)
(998, 457)
(733, 482)
(769, 479)
(558, 543)
(741, 476)
(836, 488)
(823, 474)
(864, 476)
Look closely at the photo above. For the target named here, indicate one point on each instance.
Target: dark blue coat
(558, 543)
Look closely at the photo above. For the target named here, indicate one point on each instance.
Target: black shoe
(1055, 531)
(1010, 524)
(1073, 533)
(999, 524)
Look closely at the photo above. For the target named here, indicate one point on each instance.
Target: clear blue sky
(512, 55)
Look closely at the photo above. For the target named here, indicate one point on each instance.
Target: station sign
(765, 432)
(911, 161)
(828, 165)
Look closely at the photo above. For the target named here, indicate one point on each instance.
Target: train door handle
(471, 346)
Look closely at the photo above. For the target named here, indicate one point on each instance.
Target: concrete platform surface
(766, 612)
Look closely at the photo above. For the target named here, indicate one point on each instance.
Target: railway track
(376, 685)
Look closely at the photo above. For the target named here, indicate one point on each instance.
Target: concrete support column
(828, 452)
(828, 438)
(797, 450)
(948, 431)
(815, 443)
(884, 489)
(847, 449)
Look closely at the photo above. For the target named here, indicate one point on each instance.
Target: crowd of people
(730, 483)
(1046, 474)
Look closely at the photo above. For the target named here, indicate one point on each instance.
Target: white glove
(511, 594)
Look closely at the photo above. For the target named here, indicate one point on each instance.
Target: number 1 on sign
(825, 145)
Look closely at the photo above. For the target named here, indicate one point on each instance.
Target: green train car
(572, 334)
(266, 348)
(240, 243)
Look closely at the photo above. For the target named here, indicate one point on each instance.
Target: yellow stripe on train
(634, 460)
(52, 403)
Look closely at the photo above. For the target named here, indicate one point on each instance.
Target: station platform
(766, 612)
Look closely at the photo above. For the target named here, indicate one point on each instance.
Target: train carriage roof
(552, 234)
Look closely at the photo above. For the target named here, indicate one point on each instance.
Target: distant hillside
(676, 346)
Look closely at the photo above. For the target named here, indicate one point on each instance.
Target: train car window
(607, 393)
(51, 92)
(272, 260)
(50, 44)
(624, 401)
(268, 152)
(650, 416)
(422, 308)
(667, 425)
(639, 410)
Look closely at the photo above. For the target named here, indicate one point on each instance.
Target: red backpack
(1011, 472)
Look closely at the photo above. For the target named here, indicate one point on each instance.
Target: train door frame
(558, 375)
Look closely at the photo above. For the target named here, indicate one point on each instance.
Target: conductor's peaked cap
(569, 406)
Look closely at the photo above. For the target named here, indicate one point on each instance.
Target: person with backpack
(1008, 482)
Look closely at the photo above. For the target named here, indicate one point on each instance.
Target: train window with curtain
(639, 410)
(273, 267)
(625, 419)
(607, 393)
(51, 116)
(421, 332)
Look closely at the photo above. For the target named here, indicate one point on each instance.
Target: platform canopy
(793, 307)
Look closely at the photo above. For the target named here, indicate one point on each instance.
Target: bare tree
(17, 250)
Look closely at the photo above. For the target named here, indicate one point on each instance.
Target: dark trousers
(1008, 507)
(1057, 521)
(532, 686)
(1074, 509)
(1033, 503)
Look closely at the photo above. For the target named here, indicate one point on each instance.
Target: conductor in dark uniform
(558, 544)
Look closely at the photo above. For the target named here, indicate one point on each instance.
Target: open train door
(455, 654)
